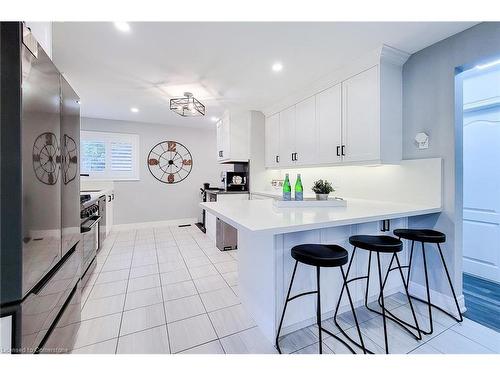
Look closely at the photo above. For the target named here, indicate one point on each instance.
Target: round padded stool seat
(421, 235)
(381, 244)
(320, 255)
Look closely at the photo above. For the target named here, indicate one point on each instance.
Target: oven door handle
(86, 229)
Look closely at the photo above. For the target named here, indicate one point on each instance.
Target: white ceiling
(225, 65)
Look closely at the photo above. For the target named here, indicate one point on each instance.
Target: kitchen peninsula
(266, 234)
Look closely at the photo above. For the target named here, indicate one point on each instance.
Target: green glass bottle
(287, 189)
(299, 189)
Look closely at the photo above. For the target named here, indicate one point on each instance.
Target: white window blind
(109, 156)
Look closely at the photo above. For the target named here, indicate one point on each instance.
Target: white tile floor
(169, 290)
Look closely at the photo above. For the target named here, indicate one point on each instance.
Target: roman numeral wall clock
(170, 162)
(46, 158)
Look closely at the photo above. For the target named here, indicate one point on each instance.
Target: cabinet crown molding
(393, 55)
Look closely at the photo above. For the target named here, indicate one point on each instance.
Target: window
(109, 156)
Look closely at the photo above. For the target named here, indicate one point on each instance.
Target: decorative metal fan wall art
(70, 159)
(170, 162)
(46, 158)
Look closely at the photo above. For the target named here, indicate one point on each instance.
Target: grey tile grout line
(97, 276)
(161, 289)
(461, 334)
(428, 341)
(204, 307)
(125, 299)
(448, 328)
(197, 346)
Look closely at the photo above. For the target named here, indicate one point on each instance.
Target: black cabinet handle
(338, 150)
(113, 195)
(109, 198)
(296, 156)
(277, 159)
(343, 150)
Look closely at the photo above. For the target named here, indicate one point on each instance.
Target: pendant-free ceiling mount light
(187, 106)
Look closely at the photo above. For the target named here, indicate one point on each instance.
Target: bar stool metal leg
(390, 315)
(428, 293)
(461, 318)
(387, 313)
(383, 306)
(318, 312)
(284, 308)
(346, 287)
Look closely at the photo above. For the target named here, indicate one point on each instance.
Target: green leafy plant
(322, 187)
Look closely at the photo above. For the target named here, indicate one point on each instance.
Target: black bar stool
(428, 236)
(387, 245)
(319, 256)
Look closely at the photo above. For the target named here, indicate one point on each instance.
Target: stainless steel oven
(90, 232)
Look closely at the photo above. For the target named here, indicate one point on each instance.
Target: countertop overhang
(262, 216)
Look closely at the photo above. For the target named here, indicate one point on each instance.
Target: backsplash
(410, 181)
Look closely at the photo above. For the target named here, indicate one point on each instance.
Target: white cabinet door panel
(361, 117)
(329, 124)
(226, 137)
(287, 136)
(272, 146)
(305, 132)
(219, 140)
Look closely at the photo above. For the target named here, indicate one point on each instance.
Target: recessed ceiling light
(277, 67)
(214, 119)
(122, 26)
(134, 109)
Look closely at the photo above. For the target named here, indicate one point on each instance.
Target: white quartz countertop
(262, 216)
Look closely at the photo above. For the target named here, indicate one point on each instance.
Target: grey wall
(148, 199)
(429, 105)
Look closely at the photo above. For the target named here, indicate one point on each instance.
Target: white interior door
(481, 223)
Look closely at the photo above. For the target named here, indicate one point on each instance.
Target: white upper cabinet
(305, 152)
(361, 118)
(272, 140)
(329, 125)
(287, 137)
(233, 133)
(219, 140)
(358, 119)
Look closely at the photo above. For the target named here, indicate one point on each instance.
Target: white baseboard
(154, 224)
(444, 301)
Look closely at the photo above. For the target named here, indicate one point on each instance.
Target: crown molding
(393, 55)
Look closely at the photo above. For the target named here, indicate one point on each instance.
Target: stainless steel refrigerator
(41, 251)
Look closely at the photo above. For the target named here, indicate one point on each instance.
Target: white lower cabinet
(110, 198)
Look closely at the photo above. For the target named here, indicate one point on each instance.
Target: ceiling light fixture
(187, 106)
(488, 65)
(122, 26)
(134, 109)
(277, 67)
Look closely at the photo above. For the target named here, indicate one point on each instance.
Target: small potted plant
(322, 188)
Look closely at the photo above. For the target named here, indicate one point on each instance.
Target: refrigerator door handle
(44, 281)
